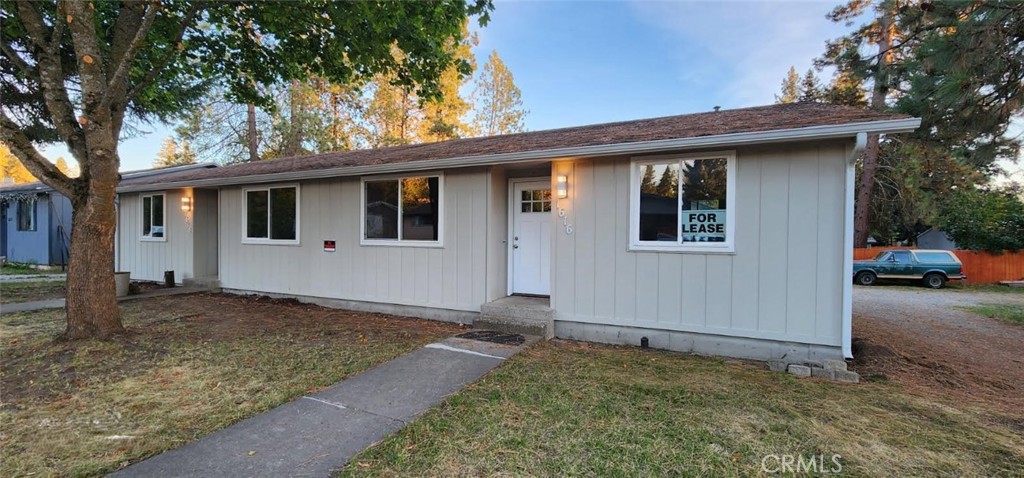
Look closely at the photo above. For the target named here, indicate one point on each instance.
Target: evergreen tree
(667, 184)
(173, 153)
(647, 183)
(499, 104)
(810, 90)
(790, 88)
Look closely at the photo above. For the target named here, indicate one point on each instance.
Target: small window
(272, 214)
(153, 217)
(402, 210)
(935, 257)
(683, 203)
(902, 256)
(535, 200)
(26, 214)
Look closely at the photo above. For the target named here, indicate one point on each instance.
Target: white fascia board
(810, 133)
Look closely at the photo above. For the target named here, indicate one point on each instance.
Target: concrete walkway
(59, 303)
(319, 433)
(32, 277)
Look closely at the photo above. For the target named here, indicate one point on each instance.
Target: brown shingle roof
(744, 120)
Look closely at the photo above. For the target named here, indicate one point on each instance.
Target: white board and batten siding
(148, 260)
(783, 283)
(451, 277)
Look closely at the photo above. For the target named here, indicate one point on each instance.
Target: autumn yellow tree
(11, 170)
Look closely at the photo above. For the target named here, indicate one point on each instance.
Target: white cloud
(750, 44)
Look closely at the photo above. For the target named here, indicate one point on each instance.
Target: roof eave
(810, 133)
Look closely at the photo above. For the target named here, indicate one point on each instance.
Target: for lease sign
(705, 225)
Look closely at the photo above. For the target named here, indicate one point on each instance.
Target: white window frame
(32, 202)
(142, 217)
(727, 247)
(267, 240)
(363, 241)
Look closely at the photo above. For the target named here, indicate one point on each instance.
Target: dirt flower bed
(190, 365)
(936, 344)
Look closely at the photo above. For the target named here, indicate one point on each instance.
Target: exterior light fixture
(562, 186)
(186, 203)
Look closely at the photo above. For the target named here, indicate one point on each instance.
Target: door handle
(515, 246)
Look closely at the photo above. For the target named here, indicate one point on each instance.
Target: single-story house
(35, 224)
(726, 232)
(35, 220)
(935, 239)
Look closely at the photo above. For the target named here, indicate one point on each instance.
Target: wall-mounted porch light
(186, 203)
(562, 186)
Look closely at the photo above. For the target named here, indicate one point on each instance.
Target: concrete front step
(516, 325)
(518, 315)
(207, 282)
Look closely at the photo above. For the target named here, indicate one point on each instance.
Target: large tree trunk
(251, 134)
(865, 192)
(869, 163)
(91, 298)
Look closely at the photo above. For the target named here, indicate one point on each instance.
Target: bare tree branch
(51, 79)
(18, 61)
(21, 146)
(90, 60)
(58, 33)
(156, 70)
(114, 86)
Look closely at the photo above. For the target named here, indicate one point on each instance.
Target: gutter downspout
(851, 174)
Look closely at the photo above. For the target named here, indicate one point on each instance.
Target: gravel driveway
(923, 339)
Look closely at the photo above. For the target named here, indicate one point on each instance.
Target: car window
(881, 256)
(902, 256)
(934, 257)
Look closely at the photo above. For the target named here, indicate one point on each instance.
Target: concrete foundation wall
(698, 343)
(444, 315)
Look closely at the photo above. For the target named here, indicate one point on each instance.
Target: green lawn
(571, 409)
(191, 365)
(1009, 312)
(12, 292)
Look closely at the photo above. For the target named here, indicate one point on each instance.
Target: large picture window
(683, 203)
(272, 215)
(153, 217)
(402, 211)
(26, 214)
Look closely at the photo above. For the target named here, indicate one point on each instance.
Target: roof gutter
(723, 140)
(851, 173)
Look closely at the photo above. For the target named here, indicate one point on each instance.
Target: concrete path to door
(319, 433)
(59, 303)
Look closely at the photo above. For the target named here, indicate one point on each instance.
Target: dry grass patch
(13, 292)
(572, 409)
(192, 365)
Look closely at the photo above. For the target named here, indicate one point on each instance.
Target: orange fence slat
(980, 267)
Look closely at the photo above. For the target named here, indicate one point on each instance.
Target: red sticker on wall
(329, 246)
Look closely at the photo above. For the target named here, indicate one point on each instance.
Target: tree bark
(253, 144)
(869, 163)
(91, 298)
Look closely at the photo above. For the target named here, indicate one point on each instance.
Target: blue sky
(583, 62)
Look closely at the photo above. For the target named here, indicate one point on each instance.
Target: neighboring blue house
(36, 224)
(35, 220)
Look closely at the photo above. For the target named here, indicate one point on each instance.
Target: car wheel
(934, 281)
(865, 278)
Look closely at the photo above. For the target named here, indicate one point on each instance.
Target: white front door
(531, 237)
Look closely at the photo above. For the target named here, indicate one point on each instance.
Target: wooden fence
(980, 267)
